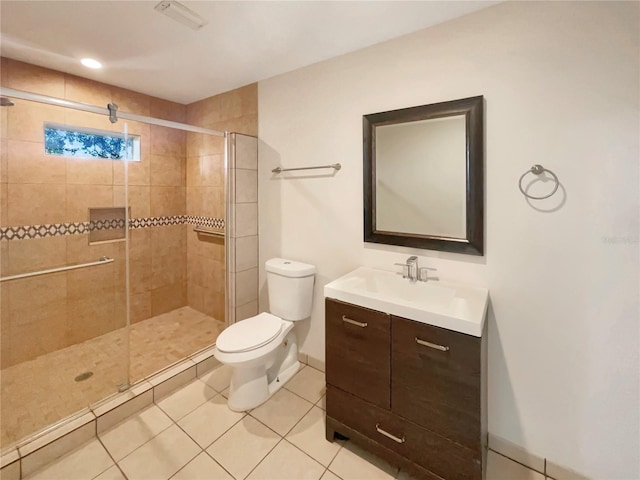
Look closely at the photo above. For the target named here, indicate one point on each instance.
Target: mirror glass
(434, 148)
(423, 176)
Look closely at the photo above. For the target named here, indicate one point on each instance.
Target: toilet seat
(249, 334)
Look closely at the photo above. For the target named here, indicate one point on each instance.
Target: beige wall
(560, 80)
(232, 111)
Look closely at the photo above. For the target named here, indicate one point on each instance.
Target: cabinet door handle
(432, 345)
(353, 322)
(389, 435)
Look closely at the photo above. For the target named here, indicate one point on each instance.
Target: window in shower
(83, 142)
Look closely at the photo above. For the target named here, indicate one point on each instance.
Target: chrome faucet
(412, 271)
(410, 268)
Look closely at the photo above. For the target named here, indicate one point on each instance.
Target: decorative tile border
(106, 224)
(42, 231)
(205, 221)
(147, 222)
(81, 228)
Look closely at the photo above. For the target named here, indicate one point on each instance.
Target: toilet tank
(290, 288)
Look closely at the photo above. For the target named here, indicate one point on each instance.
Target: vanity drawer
(436, 380)
(427, 449)
(358, 351)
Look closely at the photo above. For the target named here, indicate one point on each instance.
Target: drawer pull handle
(353, 322)
(388, 435)
(432, 345)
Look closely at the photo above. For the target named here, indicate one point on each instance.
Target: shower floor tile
(42, 391)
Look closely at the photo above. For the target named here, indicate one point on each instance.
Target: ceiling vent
(181, 14)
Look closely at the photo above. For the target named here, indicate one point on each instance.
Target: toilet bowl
(263, 350)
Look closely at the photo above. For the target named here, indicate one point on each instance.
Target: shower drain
(83, 376)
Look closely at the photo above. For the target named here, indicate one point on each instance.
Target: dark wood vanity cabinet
(411, 393)
(358, 357)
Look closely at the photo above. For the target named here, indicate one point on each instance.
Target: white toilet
(263, 350)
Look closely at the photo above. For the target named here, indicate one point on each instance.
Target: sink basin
(457, 307)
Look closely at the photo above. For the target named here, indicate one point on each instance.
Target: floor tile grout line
(182, 430)
(334, 457)
(210, 386)
(190, 411)
(218, 463)
(263, 458)
(519, 463)
(63, 456)
(292, 428)
(175, 422)
(227, 430)
(305, 414)
(284, 437)
(144, 443)
(204, 449)
(261, 423)
(110, 456)
(298, 372)
(193, 440)
(334, 472)
(298, 395)
(188, 462)
(309, 455)
(298, 422)
(219, 436)
(264, 424)
(294, 425)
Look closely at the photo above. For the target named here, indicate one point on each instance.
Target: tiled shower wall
(243, 212)
(177, 175)
(234, 111)
(46, 313)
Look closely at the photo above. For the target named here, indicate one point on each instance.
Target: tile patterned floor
(42, 391)
(192, 435)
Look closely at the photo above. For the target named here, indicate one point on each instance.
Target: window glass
(82, 142)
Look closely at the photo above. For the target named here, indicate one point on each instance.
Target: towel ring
(539, 170)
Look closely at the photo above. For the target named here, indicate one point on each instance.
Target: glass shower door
(63, 245)
(177, 273)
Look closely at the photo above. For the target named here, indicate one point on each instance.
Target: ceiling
(243, 41)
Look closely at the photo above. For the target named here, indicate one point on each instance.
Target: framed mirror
(424, 176)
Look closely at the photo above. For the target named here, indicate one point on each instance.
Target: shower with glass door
(114, 262)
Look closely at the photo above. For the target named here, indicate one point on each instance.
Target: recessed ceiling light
(90, 63)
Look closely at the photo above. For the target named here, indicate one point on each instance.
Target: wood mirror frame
(472, 109)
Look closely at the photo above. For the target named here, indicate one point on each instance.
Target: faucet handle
(423, 272)
(405, 270)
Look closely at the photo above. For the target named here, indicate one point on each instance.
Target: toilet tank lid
(289, 268)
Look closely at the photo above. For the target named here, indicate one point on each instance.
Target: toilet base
(252, 386)
(283, 378)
